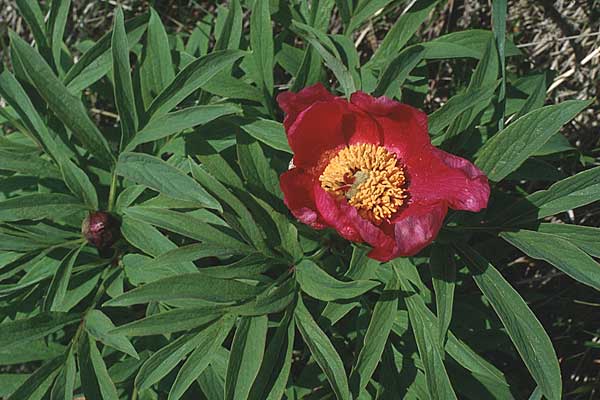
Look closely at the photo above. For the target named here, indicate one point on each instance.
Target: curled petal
(436, 175)
(317, 130)
(361, 127)
(293, 104)
(404, 128)
(298, 197)
(334, 215)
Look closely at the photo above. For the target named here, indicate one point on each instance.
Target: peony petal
(298, 197)
(333, 215)
(317, 130)
(361, 127)
(439, 176)
(415, 228)
(404, 128)
(293, 104)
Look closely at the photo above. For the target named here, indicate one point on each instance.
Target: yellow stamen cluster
(370, 178)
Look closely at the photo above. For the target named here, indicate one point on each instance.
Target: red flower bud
(101, 229)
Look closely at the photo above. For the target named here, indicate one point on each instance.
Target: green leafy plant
(194, 281)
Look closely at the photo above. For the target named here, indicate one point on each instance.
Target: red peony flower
(367, 168)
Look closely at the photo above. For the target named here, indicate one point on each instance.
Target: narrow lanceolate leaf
(181, 120)
(401, 32)
(95, 381)
(97, 60)
(180, 319)
(36, 386)
(430, 348)
(124, 97)
(274, 372)
(376, 336)
(211, 340)
(443, 277)
(188, 286)
(32, 14)
(524, 329)
(261, 41)
(193, 76)
(255, 166)
(560, 252)
(78, 182)
(319, 284)
(584, 237)
(163, 361)
(156, 71)
(322, 351)
(99, 326)
(499, 10)
(156, 174)
(60, 282)
(29, 329)
(509, 148)
(57, 21)
(246, 356)
(192, 227)
(38, 206)
(269, 132)
(65, 382)
(397, 70)
(68, 108)
(575, 191)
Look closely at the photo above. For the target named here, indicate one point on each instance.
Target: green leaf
(327, 50)
(255, 166)
(123, 86)
(509, 148)
(190, 79)
(95, 381)
(456, 105)
(559, 252)
(60, 282)
(364, 10)
(575, 191)
(322, 351)
(32, 14)
(269, 132)
(242, 215)
(189, 226)
(181, 120)
(212, 338)
(182, 319)
(247, 352)
(29, 329)
(164, 360)
(499, 10)
(522, 326)
(65, 382)
(97, 60)
(584, 237)
(187, 286)
(425, 331)
(36, 386)
(397, 70)
(400, 33)
(99, 326)
(38, 206)
(320, 285)
(57, 21)
(229, 34)
(377, 334)
(469, 43)
(443, 277)
(78, 183)
(158, 175)
(272, 378)
(156, 70)
(67, 107)
(261, 42)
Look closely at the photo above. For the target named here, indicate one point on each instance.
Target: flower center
(369, 177)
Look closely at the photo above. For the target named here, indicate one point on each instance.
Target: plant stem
(113, 191)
